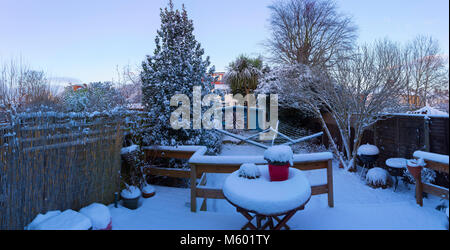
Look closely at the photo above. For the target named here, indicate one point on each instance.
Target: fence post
(193, 188)
(426, 133)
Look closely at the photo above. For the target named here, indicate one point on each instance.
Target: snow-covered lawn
(357, 206)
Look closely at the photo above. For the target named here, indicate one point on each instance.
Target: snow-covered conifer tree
(175, 68)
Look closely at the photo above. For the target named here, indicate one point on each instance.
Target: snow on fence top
(432, 157)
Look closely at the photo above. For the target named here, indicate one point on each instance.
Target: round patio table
(267, 200)
(396, 167)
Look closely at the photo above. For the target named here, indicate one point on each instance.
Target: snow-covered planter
(130, 197)
(368, 154)
(249, 171)
(415, 167)
(99, 215)
(280, 158)
(378, 178)
(148, 191)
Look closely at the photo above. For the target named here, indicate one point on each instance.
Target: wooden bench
(201, 165)
(435, 162)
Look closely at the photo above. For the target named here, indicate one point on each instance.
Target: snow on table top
(266, 197)
(396, 162)
(432, 157)
(67, 220)
(368, 149)
(98, 214)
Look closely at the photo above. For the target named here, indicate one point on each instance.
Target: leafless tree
(356, 93)
(23, 88)
(129, 84)
(310, 32)
(425, 70)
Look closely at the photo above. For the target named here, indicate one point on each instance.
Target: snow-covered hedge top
(99, 215)
(432, 157)
(131, 192)
(249, 171)
(279, 154)
(368, 150)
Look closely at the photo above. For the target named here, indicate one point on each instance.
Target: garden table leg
(278, 220)
(285, 220)
(249, 218)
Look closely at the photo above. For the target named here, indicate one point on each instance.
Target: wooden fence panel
(46, 167)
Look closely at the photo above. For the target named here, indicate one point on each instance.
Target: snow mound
(148, 189)
(266, 197)
(279, 154)
(98, 214)
(368, 150)
(67, 220)
(427, 110)
(131, 193)
(377, 177)
(249, 171)
(41, 218)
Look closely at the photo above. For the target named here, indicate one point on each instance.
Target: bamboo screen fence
(53, 161)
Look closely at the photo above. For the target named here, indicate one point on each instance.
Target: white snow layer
(368, 150)
(416, 163)
(266, 197)
(40, 218)
(129, 149)
(131, 192)
(98, 214)
(279, 153)
(432, 157)
(67, 220)
(148, 189)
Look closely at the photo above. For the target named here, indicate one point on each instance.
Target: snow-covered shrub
(98, 214)
(279, 155)
(98, 96)
(378, 177)
(428, 176)
(249, 171)
(176, 67)
(131, 192)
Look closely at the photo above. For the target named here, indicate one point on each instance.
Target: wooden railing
(435, 162)
(200, 165)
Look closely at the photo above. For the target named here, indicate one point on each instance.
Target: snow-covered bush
(368, 149)
(176, 67)
(378, 177)
(98, 96)
(98, 214)
(249, 171)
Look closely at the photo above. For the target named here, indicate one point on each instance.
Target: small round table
(266, 199)
(396, 167)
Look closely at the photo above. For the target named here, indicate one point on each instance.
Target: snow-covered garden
(329, 136)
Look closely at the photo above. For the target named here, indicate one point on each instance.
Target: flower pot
(131, 203)
(148, 195)
(279, 172)
(109, 227)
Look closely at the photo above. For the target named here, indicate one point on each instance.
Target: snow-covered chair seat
(265, 197)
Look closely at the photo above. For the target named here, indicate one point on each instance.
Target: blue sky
(87, 39)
